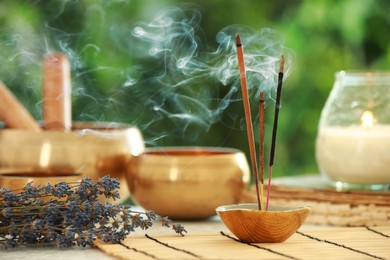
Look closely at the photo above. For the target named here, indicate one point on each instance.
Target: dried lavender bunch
(69, 214)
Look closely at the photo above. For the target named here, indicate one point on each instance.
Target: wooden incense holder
(251, 225)
(13, 113)
(56, 92)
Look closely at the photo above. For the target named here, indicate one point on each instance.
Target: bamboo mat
(334, 243)
(329, 206)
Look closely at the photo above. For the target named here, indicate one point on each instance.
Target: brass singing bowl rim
(37, 173)
(196, 156)
(190, 151)
(104, 131)
(275, 225)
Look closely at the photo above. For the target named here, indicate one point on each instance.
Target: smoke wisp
(160, 75)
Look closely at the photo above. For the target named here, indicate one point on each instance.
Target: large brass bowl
(187, 182)
(91, 149)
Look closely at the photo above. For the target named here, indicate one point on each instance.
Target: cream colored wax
(355, 154)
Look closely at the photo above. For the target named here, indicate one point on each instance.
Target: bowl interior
(254, 206)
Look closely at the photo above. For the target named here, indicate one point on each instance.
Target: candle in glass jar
(355, 154)
(353, 140)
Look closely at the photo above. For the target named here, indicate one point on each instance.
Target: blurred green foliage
(325, 35)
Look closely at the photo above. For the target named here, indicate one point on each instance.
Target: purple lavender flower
(72, 216)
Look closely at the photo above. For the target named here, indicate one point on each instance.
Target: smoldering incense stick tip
(238, 41)
(281, 68)
(261, 96)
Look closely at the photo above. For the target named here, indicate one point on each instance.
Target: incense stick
(261, 148)
(275, 127)
(248, 118)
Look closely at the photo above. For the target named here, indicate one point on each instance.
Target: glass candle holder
(353, 141)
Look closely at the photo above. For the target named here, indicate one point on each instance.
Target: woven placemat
(335, 243)
(330, 206)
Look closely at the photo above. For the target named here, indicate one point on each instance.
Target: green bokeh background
(325, 35)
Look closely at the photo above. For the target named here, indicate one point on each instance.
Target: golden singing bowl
(187, 182)
(251, 225)
(91, 149)
(16, 179)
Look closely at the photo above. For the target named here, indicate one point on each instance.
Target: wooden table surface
(197, 229)
(365, 240)
(48, 252)
(211, 240)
